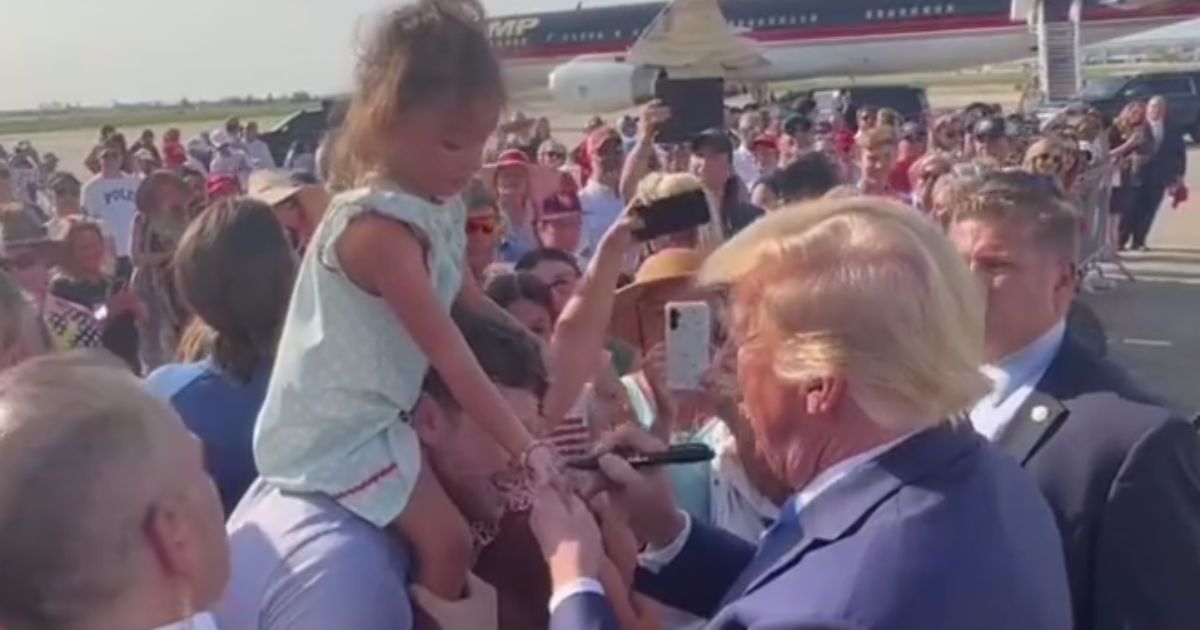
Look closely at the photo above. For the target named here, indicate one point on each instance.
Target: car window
(1103, 88)
(1166, 86)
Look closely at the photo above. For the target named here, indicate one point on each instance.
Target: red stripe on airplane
(882, 29)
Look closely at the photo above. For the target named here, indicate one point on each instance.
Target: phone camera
(673, 319)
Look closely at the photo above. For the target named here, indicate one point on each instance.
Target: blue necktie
(783, 535)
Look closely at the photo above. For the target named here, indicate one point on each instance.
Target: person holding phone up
(856, 328)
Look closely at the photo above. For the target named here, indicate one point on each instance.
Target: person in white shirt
(110, 519)
(750, 126)
(111, 196)
(600, 199)
(230, 161)
(257, 151)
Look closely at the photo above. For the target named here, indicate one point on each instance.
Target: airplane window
(870, 14)
(949, 8)
(902, 12)
(804, 19)
(618, 34)
(812, 19)
(891, 13)
(937, 9)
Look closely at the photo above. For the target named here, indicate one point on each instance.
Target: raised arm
(637, 164)
(582, 326)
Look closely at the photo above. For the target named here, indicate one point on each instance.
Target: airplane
(609, 58)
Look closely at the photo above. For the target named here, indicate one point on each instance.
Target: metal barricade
(1094, 203)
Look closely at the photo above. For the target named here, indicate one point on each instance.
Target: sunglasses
(558, 155)
(1053, 159)
(486, 227)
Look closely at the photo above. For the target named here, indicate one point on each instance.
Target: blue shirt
(221, 412)
(304, 562)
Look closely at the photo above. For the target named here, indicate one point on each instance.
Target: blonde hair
(658, 186)
(862, 288)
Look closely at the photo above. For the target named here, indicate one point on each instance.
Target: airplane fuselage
(806, 38)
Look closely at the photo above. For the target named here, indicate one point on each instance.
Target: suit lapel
(1044, 411)
(1034, 421)
(844, 507)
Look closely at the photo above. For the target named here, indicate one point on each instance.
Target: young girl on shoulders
(370, 314)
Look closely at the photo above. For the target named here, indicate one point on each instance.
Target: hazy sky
(98, 51)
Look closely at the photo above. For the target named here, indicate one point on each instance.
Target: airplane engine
(601, 85)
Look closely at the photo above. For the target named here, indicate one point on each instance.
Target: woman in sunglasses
(485, 228)
(26, 254)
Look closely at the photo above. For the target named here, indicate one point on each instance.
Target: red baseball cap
(765, 140)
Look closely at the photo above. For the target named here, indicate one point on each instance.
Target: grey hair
(77, 450)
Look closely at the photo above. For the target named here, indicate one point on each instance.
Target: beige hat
(665, 266)
(271, 186)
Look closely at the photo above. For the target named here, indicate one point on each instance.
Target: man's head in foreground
(109, 517)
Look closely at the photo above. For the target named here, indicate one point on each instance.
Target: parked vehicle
(307, 126)
(1181, 89)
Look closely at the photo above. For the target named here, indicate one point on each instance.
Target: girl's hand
(545, 466)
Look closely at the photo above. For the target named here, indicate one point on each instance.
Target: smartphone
(672, 215)
(689, 344)
(687, 453)
(696, 105)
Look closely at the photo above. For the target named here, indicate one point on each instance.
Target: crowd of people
(359, 389)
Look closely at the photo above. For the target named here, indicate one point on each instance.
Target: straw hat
(666, 266)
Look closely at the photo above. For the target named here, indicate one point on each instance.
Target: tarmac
(1152, 322)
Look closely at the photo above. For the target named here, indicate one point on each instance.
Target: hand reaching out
(567, 535)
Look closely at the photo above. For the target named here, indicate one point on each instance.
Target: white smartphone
(688, 341)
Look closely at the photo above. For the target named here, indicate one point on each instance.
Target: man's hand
(568, 536)
(618, 240)
(654, 114)
(645, 498)
(476, 611)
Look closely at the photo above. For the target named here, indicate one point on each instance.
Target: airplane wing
(692, 39)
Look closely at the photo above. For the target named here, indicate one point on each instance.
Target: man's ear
(429, 421)
(824, 394)
(168, 534)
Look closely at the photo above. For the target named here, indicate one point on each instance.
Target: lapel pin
(1040, 413)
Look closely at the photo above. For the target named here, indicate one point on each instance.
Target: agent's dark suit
(1122, 475)
(943, 531)
(1167, 165)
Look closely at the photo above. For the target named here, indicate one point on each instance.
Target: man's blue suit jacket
(942, 532)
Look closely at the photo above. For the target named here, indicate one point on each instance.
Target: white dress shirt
(1013, 381)
(745, 166)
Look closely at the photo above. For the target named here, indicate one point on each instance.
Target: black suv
(1181, 89)
(909, 101)
(306, 127)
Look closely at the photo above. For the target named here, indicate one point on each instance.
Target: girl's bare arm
(382, 256)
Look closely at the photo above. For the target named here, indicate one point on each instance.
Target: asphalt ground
(1153, 321)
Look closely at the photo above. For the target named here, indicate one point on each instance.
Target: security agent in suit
(1165, 170)
(856, 331)
(1121, 471)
